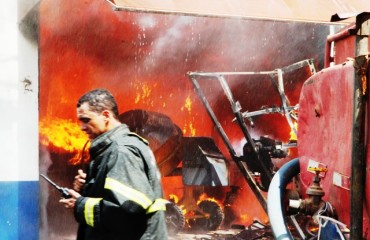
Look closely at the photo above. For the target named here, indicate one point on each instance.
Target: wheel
(214, 218)
(175, 218)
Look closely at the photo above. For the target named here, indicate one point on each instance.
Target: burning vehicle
(255, 163)
(302, 198)
(202, 165)
(323, 193)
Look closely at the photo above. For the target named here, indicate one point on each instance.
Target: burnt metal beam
(241, 165)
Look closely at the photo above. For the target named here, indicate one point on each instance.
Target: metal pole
(358, 174)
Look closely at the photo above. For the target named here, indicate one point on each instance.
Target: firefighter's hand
(79, 180)
(70, 202)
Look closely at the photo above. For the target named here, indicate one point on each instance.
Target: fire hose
(275, 199)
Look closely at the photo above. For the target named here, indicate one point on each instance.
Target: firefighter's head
(97, 112)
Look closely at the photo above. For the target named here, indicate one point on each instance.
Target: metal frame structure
(285, 109)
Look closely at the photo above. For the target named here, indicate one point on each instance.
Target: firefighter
(120, 195)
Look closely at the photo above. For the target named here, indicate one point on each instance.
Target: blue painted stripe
(19, 210)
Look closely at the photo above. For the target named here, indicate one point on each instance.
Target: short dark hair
(99, 100)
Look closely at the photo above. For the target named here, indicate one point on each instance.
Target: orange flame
(188, 127)
(205, 197)
(187, 105)
(293, 136)
(184, 211)
(143, 93)
(82, 156)
(63, 134)
(173, 198)
(245, 218)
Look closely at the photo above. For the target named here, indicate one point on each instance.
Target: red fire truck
(333, 164)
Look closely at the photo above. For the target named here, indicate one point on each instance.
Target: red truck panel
(325, 136)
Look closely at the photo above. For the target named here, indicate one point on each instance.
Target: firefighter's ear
(106, 114)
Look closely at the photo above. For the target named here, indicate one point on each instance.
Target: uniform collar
(105, 139)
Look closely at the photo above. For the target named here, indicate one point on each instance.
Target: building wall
(18, 124)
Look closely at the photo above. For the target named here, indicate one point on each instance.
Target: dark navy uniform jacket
(122, 196)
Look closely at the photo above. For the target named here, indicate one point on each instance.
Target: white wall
(18, 100)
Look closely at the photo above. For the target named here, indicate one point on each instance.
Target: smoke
(170, 39)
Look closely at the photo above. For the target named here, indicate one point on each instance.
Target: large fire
(65, 135)
(142, 59)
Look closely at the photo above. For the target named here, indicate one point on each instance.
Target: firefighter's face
(92, 123)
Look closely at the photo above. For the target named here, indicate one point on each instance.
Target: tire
(175, 218)
(216, 216)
